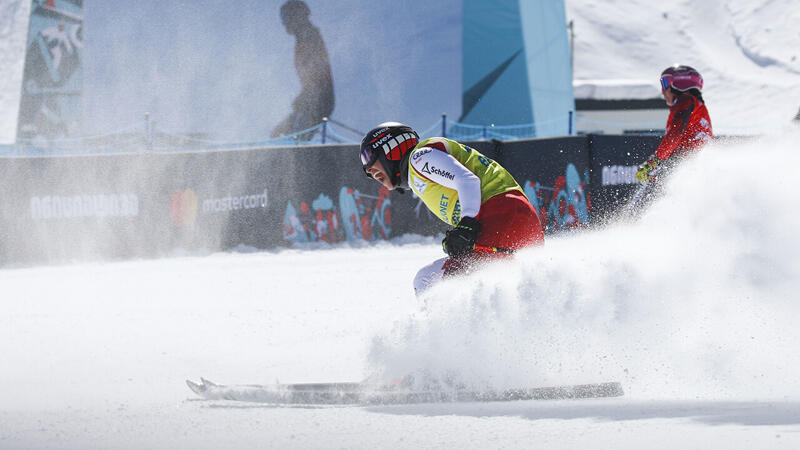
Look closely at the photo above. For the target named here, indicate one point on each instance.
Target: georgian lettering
(614, 175)
(94, 205)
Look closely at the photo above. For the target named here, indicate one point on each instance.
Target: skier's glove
(645, 172)
(460, 240)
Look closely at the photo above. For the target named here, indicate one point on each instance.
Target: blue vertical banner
(50, 104)
(547, 56)
(516, 65)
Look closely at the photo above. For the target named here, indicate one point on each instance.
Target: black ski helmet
(391, 144)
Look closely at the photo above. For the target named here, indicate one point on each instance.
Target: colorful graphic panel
(53, 74)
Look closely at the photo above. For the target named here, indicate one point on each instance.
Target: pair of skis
(370, 394)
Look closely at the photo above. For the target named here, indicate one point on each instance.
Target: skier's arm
(442, 168)
(684, 106)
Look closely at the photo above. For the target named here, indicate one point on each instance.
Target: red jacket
(688, 128)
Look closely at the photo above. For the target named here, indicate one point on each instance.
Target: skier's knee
(428, 276)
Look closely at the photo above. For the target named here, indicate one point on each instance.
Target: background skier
(688, 128)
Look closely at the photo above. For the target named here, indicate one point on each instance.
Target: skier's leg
(428, 276)
(509, 221)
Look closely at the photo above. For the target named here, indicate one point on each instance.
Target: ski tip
(196, 388)
(207, 382)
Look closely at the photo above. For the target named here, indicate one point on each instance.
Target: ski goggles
(666, 80)
(368, 157)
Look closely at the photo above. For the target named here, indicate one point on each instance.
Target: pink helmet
(681, 78)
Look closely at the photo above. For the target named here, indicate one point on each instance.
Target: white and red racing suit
(454, 181)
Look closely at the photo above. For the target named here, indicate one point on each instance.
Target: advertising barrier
(614, 162)
(554, 173)
(157, 204)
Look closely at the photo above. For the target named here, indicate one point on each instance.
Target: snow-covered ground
(747, 51)
(693, 309)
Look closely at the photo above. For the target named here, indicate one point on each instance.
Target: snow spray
(697, 299)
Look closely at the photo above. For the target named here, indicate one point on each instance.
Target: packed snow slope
(693, 309)
(747, 51)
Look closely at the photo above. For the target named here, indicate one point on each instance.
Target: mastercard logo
(183, 208)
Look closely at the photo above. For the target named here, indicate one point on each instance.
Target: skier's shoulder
(435, 164)
(425, 148)
(685, 100)
(422, 155)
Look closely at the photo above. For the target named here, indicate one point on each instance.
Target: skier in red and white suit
(688, 126)
(489, 211)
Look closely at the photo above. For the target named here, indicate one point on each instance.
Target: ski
(369, 394)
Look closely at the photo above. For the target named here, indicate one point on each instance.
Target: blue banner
(516, 65)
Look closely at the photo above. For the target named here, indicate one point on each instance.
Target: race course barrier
(149, 204)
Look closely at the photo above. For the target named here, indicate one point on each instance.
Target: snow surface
(694, 309)
(747, 51)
